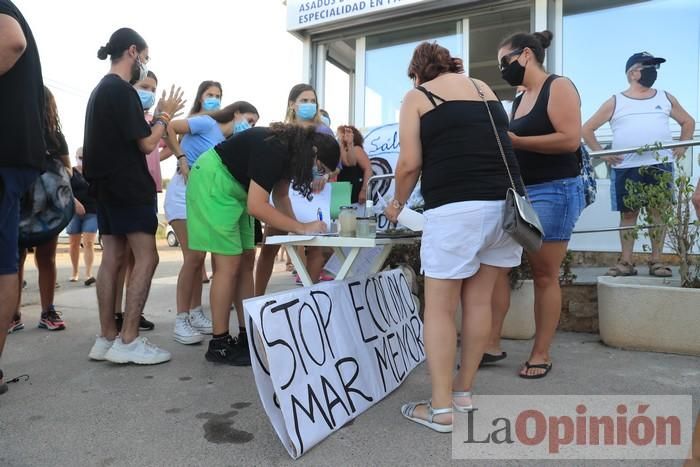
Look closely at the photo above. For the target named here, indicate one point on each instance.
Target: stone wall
(579, 308)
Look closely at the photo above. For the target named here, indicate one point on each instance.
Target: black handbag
(520, 220)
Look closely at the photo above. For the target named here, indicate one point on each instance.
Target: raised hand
(173, 103)
(347, 138)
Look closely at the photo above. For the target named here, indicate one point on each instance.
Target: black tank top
(535, 166)
(355, 175)
(461, 159)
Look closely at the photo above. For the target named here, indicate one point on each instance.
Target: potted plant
(657, 314)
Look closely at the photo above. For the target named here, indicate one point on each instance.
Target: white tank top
(638, 122)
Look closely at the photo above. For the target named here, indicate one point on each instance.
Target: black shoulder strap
(546, 87)
(431, 97)
(516, 104)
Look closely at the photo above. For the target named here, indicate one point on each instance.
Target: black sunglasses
(505, 60)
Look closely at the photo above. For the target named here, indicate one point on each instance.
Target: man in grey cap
(639, 116)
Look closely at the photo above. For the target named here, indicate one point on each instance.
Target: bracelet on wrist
(180, 156)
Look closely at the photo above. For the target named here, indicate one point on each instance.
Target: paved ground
(188, 412)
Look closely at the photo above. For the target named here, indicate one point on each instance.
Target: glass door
(486, 32)
(387, 57)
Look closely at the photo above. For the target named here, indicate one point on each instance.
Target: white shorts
(175, 199)
(459, 237)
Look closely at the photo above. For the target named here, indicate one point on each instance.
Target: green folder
(340, 196)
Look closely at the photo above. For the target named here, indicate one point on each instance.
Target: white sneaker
(100, 348)
(199, 321)
(140, 351)
(184, 332)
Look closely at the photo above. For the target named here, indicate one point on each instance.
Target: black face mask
(648, 77)
(514, 73)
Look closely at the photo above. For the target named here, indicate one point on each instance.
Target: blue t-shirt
(204, 134)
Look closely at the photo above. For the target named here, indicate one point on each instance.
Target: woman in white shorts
(447, 139)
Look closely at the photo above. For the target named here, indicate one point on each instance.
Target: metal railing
(615, 152)
(376, 178)
(593, 154)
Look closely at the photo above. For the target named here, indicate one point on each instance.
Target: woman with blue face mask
(199, 134)
(146, 89)
(302, 109)
(207, 99)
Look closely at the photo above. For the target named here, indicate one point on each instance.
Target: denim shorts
(646, 175)
(558, 204)
(84, 224)
(14, 182)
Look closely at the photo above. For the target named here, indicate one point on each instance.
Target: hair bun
(103, 52)
(545, 38)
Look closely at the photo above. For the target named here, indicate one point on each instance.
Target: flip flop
(408, 409)
(547, 367)
(90, 281)
(489, 358)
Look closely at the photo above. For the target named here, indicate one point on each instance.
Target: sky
(242, 44)
(669, 29)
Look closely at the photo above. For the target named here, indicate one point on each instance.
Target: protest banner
(324, 354)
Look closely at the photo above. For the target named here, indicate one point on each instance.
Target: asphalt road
(188, 412)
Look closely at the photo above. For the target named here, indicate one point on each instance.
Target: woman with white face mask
(303, 110)
(199, 134)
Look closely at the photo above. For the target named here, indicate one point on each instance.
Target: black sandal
(547, 367)
(488, 358)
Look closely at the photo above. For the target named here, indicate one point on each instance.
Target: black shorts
(258, 232)
(123, 220)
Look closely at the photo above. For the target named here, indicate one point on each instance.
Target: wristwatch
(396, 204)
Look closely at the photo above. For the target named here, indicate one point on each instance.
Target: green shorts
(217, 213)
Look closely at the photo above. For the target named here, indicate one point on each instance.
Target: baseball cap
(643, 57)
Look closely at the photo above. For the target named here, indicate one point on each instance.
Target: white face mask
(143, 69)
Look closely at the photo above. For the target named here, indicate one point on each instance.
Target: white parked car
(171, 237)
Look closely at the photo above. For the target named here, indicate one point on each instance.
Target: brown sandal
(622, 269)
(659, 270)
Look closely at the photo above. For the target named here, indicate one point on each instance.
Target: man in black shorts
(22, 149)
(116, 140)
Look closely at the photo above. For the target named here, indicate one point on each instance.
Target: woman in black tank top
(355, 166)
(447, 138)
(545, 130)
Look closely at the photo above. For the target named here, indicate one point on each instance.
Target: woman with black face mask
(545, 131)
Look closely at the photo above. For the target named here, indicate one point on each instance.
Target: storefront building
(356, 53)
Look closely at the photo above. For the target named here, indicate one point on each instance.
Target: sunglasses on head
(505, 60)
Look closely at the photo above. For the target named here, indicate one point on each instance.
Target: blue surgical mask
(243, 125)
(148, 98)
(211, 103)
(326, 121)
(307, 110)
